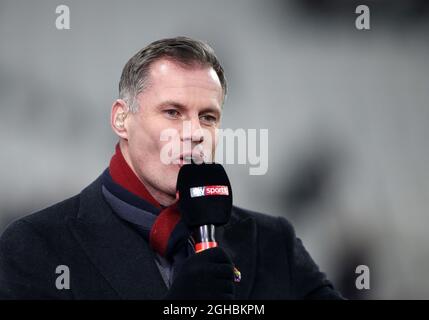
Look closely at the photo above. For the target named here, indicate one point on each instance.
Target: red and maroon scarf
(167, 231)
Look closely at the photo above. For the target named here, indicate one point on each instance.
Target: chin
(169, 186)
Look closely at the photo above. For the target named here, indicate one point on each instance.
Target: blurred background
(346, 109)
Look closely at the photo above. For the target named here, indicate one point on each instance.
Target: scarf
(161, 226)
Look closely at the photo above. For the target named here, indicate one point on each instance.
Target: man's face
(174, 96)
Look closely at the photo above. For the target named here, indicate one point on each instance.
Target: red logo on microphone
(209, 191)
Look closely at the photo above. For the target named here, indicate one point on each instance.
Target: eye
(209, 119)
(172, 113)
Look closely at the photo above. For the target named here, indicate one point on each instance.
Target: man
(121, 237)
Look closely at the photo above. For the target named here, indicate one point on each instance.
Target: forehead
(168, 75)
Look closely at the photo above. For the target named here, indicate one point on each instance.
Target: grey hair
(183, 50)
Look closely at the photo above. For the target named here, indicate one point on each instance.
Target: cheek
(156, 147)
(213, 139)
(146, 138)
(142, 151)
(209, 144)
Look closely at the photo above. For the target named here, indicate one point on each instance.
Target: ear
(118, 118)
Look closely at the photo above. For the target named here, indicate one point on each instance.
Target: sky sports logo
(209, 191)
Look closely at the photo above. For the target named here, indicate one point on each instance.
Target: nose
(192, 130)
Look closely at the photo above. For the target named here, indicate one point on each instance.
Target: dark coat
(108, 259)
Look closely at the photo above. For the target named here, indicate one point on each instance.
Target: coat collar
(128, 263)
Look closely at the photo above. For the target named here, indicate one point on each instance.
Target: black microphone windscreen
(205, 195)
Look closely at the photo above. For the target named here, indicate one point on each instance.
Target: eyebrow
(180, 106)
(172, 103)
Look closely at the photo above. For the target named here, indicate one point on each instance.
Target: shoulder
(30, 251)
(41, 226)
(268, 220)
(34, 243)
(265, 222)
(55, 217)
(55, 214)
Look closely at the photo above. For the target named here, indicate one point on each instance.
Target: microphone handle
(204, 237)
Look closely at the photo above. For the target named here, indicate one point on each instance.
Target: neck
(162, 198)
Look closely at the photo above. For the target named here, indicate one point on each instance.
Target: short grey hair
(183, 50)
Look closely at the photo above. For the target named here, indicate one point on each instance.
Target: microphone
(205, 201)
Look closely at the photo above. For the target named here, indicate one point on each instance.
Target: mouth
(188, 158)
